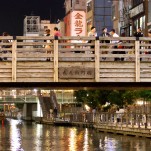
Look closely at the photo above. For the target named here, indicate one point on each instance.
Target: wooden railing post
(56, 59)
(97, 60)
(14, 60)
(137, 61)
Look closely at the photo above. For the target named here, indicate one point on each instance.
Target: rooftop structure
(31, 25)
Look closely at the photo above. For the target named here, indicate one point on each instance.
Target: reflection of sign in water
(76, 72)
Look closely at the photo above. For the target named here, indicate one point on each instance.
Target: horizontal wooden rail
(74, 59)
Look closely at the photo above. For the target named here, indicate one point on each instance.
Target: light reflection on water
(25, 136)
(15, 136)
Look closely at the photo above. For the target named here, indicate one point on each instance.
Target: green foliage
(115, 97)
(95, 98)
(80, 95)
(129, 97)
(145, 95)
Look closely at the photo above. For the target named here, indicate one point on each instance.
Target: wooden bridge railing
(75, 59)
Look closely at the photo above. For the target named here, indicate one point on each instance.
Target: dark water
(22, 136)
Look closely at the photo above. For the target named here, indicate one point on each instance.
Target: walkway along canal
(128, 124)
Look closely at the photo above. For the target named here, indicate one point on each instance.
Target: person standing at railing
(92, 33)
(48, 41)
(113, 34)
(55, 112)
(77, 41)
(120, 46)
(105, 34)
(138, 34)
(56, 32)
(144, 120)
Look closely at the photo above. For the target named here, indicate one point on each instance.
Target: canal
(17, 135)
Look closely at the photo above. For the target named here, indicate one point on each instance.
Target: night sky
(13, 12)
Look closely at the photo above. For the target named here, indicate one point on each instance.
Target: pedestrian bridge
(67, 60)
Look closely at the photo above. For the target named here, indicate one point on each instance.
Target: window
(142, 22)
(100, 11)
(135, 25)
(131, 30)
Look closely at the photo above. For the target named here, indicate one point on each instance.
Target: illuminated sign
(78, 23)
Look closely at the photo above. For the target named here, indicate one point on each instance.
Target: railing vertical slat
(137, 60)
(14, 60)
(55, 60)
(97, 60)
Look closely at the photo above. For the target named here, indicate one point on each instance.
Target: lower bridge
(27, 62)
(34, 103)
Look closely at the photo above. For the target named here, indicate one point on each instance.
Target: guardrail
(75, 59)
(131, 120)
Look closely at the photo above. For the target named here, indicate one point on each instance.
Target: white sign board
(78, 23)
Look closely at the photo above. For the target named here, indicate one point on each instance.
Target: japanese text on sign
(78, 23)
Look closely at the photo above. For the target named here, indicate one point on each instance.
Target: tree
(96, 98)
(93, 98)
(116, 97)
(145, 95)
(129, 97)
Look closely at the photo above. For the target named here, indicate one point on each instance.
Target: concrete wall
(28, 110)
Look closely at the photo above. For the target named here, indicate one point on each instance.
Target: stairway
(48, 103)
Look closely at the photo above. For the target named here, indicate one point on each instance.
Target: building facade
(32, 26)
(139, 15)
(75, 18)
(128, 15)
(120, 17)
(99, 15)
(45, 24)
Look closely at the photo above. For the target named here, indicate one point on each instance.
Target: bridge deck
(73, 59)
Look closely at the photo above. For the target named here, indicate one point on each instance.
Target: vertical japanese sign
(78, 23)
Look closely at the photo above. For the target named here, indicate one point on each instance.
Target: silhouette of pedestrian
(55, 111)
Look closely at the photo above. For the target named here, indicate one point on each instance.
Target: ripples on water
(17, 135)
